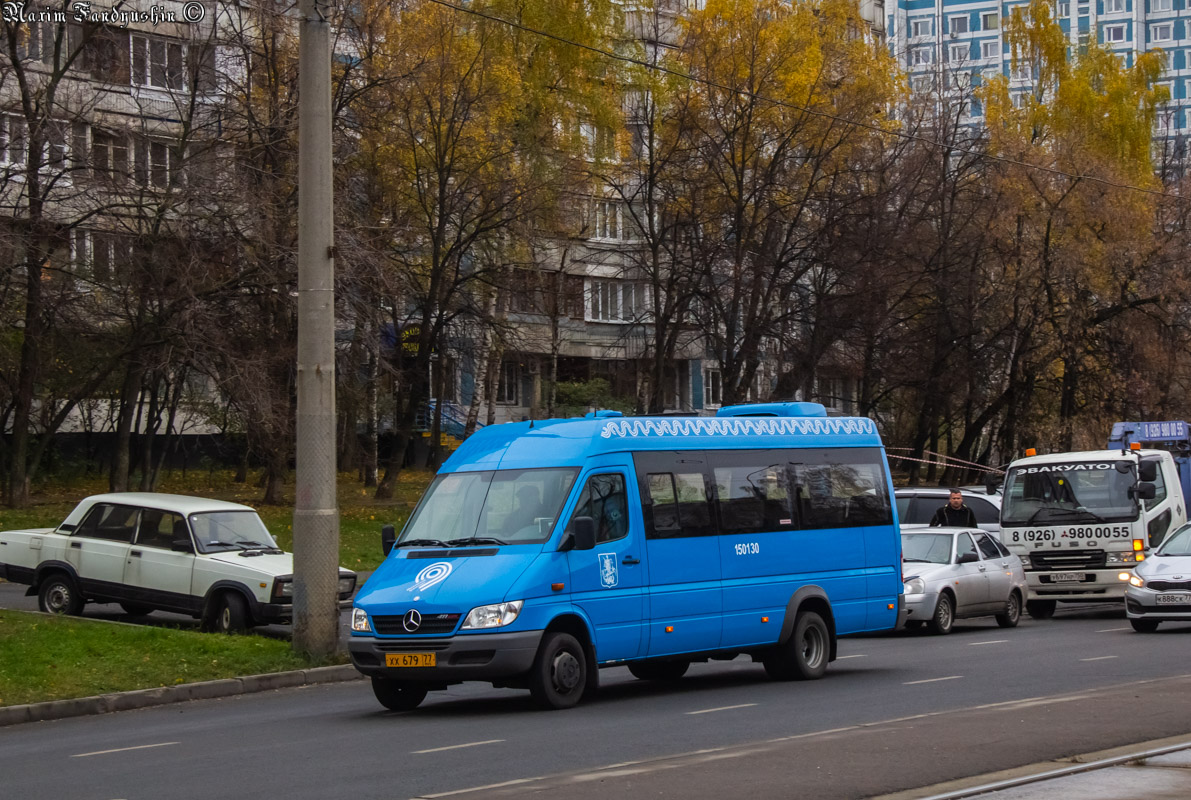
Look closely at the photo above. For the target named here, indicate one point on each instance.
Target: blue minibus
(546, 550)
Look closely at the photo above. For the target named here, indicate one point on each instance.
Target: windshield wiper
(471, 540)
(421, 543)
(918, 560)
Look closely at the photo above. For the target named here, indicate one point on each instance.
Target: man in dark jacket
(955, 514)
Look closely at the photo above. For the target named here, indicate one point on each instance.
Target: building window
(1114, 33)
(959, 53)
(922, 83)
(991, 49)
(103, 256)
(616, 301)
(920, 56)
(990, 21)
(958, 24)
(109, 156)
(157, 62)
(1162, 32)
(157, 163)
(13, 132)
(713, 388)
(606, 220)
(1156, 6)
(508, 383)
(1064, 9)
(920, 27)
(1022, 72)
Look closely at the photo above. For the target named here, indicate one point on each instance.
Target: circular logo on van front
(412, 620)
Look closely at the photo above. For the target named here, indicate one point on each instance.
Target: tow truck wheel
(398, 695)
(1041, 609)
(1144, 625)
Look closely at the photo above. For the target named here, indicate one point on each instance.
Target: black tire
(804, 657)
(136, 609)
(558, 677)
(398, 695)
(1144, 625)
(1012, 613)
(914, 624)
(659, 670)
(59, 594)
(1041, 609)
(944, 616)
(229, 614)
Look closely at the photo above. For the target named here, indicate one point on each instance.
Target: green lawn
(360, 514)
(54, 658)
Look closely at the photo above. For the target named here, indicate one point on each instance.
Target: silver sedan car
(954, 573)
(1160, 587)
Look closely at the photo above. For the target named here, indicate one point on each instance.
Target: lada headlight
(915, 586)
(346, 584)
(360, 623)
(496, 615)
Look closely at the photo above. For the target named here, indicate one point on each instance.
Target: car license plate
(1173, 598)
(409, 659)
(1067, 577)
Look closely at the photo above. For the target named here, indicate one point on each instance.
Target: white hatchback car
(211, 559)
(954, 573)
(1160, 587)
(916, 505)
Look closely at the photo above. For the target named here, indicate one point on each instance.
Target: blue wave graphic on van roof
(737, 426)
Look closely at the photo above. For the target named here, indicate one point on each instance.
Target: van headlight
(496, 615)
(360, 622)
(915, 586)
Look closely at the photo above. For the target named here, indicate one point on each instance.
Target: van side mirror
(1147, 471)
(580, 535)
(1143, 491)
(388, 537)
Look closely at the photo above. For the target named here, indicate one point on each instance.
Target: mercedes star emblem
(412, 620)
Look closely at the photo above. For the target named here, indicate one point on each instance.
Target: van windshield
(511, 506)
(1053, 494)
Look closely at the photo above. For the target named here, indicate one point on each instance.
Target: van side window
(839, 488)
(111, 522)
(753, 495)
(605, 500)
(676, 503)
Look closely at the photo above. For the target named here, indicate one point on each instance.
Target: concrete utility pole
(316, 511)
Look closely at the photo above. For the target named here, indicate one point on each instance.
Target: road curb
(144, 698)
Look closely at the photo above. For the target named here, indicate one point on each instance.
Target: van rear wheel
(559, 673)
(804, 656)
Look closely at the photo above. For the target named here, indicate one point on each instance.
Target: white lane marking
(124, 749)
(456, 746)
(1110, 630)
(514, 782)
(994, 641)
(1098, 658)
(841, 658)
(721, 708)
(933, 680)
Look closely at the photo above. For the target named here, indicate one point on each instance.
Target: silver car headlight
(915, 586)
(360, 623)
(496, 615)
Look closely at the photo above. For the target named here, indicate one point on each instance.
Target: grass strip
(55, 658)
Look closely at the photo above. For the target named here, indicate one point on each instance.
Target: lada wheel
(944, 616)
(1041, 609)
(1144, 625)
(1012, 613)
(804, 657)
(228, 615)
(398, 695)
(559, 673)
(59, 594)
(659, 670)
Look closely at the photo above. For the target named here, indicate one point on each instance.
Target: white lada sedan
(955, 573)
(146, 551)
(1160, 587)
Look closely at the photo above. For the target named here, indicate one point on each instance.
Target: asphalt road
(894, 712)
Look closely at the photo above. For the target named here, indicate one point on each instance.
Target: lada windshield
(927, 548)
(509, 506)
(1055, 494)
(218, 531)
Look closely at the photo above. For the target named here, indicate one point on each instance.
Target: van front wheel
(804, 656)
(398, 695)
(559, 673)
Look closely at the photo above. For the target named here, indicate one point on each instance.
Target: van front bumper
(471, 657)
